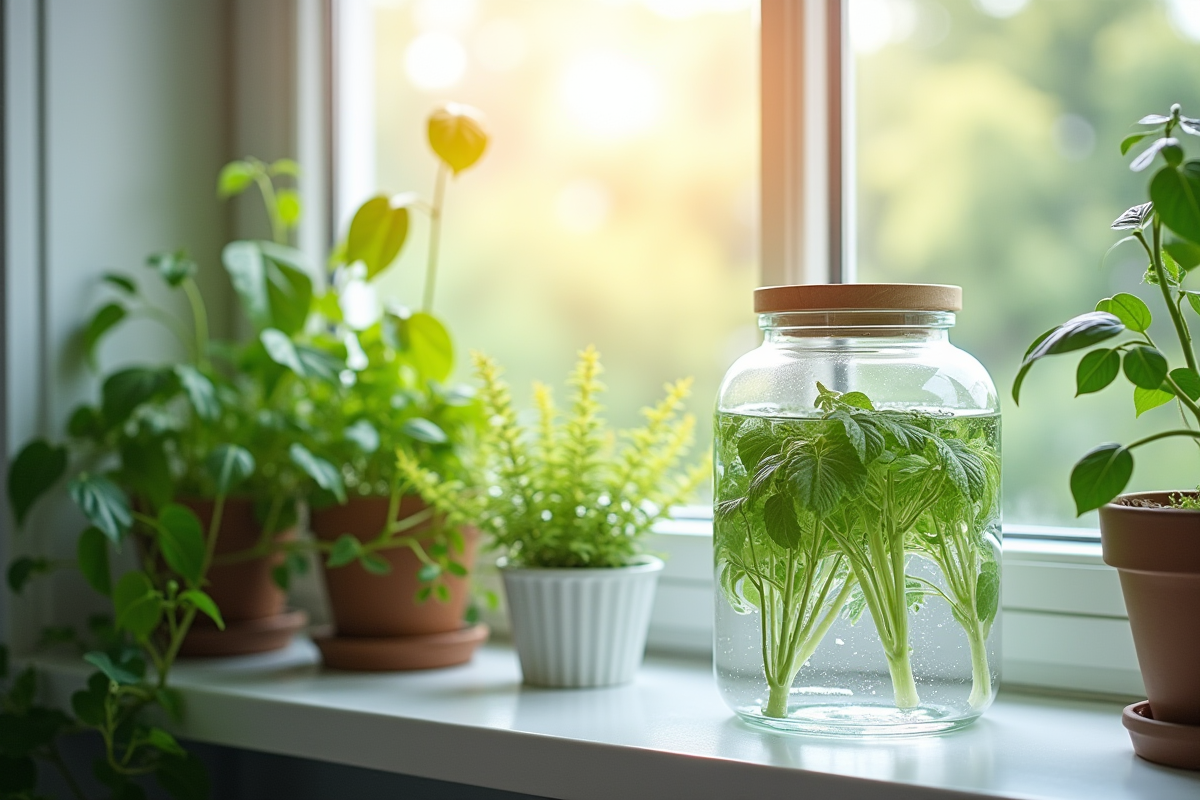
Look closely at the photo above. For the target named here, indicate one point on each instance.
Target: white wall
(117, 120)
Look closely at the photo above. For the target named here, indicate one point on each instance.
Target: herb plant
(1168, 230)
(821, 517)
(567, 492)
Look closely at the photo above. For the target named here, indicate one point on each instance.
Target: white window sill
(667, 735)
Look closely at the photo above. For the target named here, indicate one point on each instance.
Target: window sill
(666, 735)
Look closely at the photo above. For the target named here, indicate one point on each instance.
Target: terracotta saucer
(1167, 743)
(390, 653)
(244, 637)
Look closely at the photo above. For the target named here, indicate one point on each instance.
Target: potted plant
(570, 508)
(397, 574)
(1152, 538)
(185, 461)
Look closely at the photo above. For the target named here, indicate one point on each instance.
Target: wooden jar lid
(858, 296)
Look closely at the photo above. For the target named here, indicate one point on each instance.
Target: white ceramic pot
(576, 628)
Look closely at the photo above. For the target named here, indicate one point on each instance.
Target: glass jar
(857, 516)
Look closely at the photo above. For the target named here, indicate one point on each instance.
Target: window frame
(1065, 627)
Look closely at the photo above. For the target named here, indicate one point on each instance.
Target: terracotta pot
(1156, 551)
(245, 590)
(371, 605)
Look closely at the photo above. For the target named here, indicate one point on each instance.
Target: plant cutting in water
(1168, 230)
(820, 517)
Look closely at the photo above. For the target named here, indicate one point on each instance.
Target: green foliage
(457, 136)
(36, 468)
(1103, 473)
(819, 517)
(567, 492)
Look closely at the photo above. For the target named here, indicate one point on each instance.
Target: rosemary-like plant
(567, 492)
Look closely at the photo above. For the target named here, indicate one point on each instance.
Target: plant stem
(777, 700)
(1163, 435)
(981, 671)
(435, 236)
(199, 318)
(1181, 330)
(903, 684)
(278, 231)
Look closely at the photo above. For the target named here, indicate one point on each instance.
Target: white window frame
(1065, 627)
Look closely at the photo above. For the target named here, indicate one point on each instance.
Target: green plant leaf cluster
(1168, 229)
(567, 492)
(821, 517)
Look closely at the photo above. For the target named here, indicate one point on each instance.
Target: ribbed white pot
(575, 628)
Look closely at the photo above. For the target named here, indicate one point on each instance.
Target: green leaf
(755, 441)
(122, 283)
(1097, 370)
(857, 400)
(363, 435)
(854, 433)
(173, 268)
(1131, 311)
(200, 391)
(779, 519)
(184, 778)
(22, 570)
(164, 742)
(1145, 367)
(127, 389)
(117, 674)
(204, 604)
(92, 553)
(819, 473)
(23, 690)
(88, 704)
(137, 605)
(146, 471)
(1131, 140)
(181, 539)
(229, 465)
(85, 423)
(287, 203)
(1176, 196)
(457, 136)
(273, 282)
(1100, 476)
(172, 702)
(455, 568)
(103, 503)
(32, 473)
(305, 361)
(281, 576)
(1147, 399)
(285, 166)
(1188, 381)
(345, 549)
(1194, 301)
(428, 572)
(377, 232)
(1074, 334)
(101, 323)
(375, 564)
(423, 430)
(326, 475)
(1186, 254)
(424, 342)
(235, 178)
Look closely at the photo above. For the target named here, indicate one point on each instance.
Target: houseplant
(1152, 538)
(396, 573)
(569, 508)
(168, 457)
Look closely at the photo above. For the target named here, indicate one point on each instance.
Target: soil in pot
(251, 603)
(1156, 550)
(377, 617)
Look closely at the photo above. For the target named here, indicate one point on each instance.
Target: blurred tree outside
(617, 205)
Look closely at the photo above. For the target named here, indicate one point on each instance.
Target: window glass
(617, 202)
(987, 155)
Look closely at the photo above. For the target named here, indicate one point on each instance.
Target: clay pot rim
(1138, 717)
(640, 565)
(1121, 508)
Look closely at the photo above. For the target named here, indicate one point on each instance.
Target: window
(617, 204)
(987, 135)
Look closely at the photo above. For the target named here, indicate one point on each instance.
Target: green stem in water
(981, 671)
(435, 237)
(777, 700)
(903, 684)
